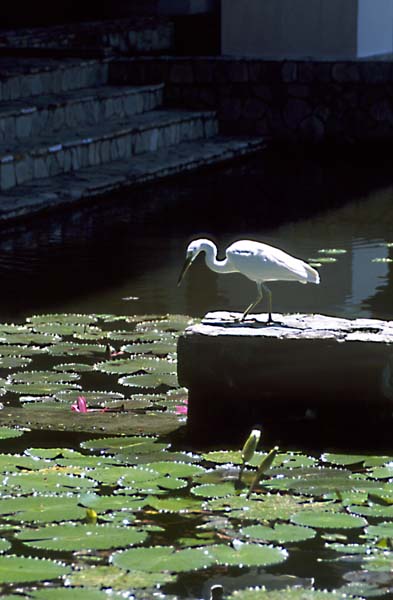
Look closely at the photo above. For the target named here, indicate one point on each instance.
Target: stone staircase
(67, 134)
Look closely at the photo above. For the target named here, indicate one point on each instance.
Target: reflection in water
(133, 244)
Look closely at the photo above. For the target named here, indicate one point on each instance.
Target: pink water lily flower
(80, 406)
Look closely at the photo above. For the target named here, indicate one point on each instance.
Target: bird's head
(193, 249)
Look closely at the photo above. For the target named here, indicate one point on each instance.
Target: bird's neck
(219, 266)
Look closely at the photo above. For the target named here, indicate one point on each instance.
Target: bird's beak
(186, 266)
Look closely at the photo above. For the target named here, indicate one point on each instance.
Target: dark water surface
(132, 244)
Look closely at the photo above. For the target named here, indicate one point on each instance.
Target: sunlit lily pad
(73, 367)
(63, 318)
(19, 569)
(35, 377)
(162, 558)
(168, 323)
(247, 554)
(292, 593)
(136, 363)
(320, 481)
(4, 545)
(218, 490)
(382, 260)
(81, 537)
(92, 397)
(47, 481)
(267, 507)
(150, 380)
(40, 389)
(137, 444)
(17, 350)
(42, 509)
(75, 349)
(332, 251)
(322, 260)
(343, 459)
(118, 579)
(281, 532)
(158, 347)
(175, 504)
(14, 362)
(65, 593)
(328, 520)
(7, 433)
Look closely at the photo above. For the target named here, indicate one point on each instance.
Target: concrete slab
(239, 374)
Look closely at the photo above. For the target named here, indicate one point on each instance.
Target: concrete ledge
(239, 374)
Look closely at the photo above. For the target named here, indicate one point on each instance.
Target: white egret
(258, 262)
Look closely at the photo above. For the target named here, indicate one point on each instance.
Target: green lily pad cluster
(109, 506)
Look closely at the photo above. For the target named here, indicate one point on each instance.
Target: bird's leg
(269, 296)
(253, 304)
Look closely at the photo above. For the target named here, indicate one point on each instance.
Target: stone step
(21, 119)
(54, 192)
(51, 155)
(136, 35)
(26, 77)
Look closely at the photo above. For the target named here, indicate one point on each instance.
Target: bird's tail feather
(312, 274)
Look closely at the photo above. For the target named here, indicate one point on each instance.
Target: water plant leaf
(20, 569)
(268, 507)
(290, 593)
(150, 380)
(211, 490)
(76, 349)
(174, 504)
(14, 362)
(111, 577)
(174, 323)
(4, 545)
(72, 537)
(319, 481)
(73, 367)
(343, 459)
(159, 347)
(133, 364)
(44, 481)
(382, 530)
(332, 251)
(8, 433)
(42, 509)
(224, 456)
(282, 533)
(96, 398)
(247, 554)
(62, 318)
(322, 260)
(137, 444)
(43, 377)
(162, 558)
(328, 520)
(175, 468)
(68, 593)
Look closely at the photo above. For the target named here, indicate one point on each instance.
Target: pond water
(132, 245)
(122, 256)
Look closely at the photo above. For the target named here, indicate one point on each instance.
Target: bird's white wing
(261, 262)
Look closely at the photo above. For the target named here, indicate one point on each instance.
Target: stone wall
(291, 101)
(129, 36)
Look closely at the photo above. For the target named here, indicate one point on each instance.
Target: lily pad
(69, 537)
(332, 251)
(150, 380)
(20, 569)
(42, 509)
(281, 532)
(8, 433)
(292, 593)
(118, 579)
(328, 520)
